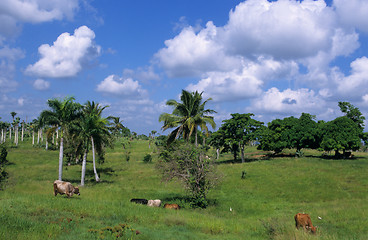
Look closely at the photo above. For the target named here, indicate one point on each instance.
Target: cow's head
(76, 191)
(313, 229)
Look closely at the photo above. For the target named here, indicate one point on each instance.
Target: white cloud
(67, 56)
(243, 84)
(191, 54)
(288, 102)
(41, 84)
(282, 29)
(353, 13)
(13, 12)
(121, 87)
(356, 83)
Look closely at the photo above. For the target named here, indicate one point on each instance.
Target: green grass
(263, 203)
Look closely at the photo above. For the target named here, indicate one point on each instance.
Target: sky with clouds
(271, 58)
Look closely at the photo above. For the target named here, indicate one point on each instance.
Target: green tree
(187, 116)
(341, 134)
(62, 113)
(235, 133)
(278, 135)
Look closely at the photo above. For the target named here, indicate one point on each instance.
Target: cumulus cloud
(121, 87)
(246, 83)
(288, 102)
(353, 13)
(41, 84)
(356, 83)
(67, 56)
(191, 53)
(302, 37)
(13, 12)
(282, 29)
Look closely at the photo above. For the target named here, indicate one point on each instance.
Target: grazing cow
(172, 206)
(67, 188)
(139, 201)
(154, 203)
(304, 220)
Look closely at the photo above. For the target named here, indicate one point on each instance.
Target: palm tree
(187, 116)
(13, 115)
(62, 114)
(94, 128)
(116, 125)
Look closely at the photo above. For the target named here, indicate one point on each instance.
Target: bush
(147, 158)
(189, 165)
(3, 161)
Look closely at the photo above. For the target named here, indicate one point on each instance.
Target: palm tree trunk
(217, 153)
(33, 137)
(94, 160)
(83, 165)
(10, 132)
(242, 152)
(47, 144)
(22, 131)
(196, 138)
(61, 154)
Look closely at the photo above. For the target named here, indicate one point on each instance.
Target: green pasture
(263, 203)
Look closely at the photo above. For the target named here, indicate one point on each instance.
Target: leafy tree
(352, 112)
(187, 116)
(341, 134)
(187, 163)
(235, 133)
(304, 134)
(62, 113)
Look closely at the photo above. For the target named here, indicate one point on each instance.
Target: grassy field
(263, 203)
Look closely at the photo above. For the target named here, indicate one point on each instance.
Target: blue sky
(271, 58)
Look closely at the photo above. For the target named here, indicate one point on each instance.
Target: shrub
(188, 164)
(147, 158)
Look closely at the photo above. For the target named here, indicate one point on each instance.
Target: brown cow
(67, 188)
(172, 206)
(304, 220)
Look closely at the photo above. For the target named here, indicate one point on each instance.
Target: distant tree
(62, 113)
(278, 135)
(341, 134)
(188, 164)
(187, 116)
(235, 133)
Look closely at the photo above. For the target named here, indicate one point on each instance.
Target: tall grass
(263, 203)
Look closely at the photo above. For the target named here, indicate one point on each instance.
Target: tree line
(72, 127)
(341, 135)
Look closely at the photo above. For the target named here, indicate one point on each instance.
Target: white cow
(154, 203)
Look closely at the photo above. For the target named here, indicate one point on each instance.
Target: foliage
(290, 133)
(352, 112)
(3, 161)
(235, 133)
(341, 134)
(147, 158)
(187, 116)
(188, 164)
